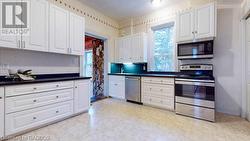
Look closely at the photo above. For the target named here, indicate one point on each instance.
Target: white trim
(248, 117)
(244, 80)
(107, 40)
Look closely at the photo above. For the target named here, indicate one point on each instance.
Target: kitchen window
(89, 63)
(163, 51)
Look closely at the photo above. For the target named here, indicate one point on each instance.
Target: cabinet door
(9, 42)
(185, 26)
(136, 48)
(77, 33)
(205, 21)
(59, 30)
(117, 87)
(121, 52)
(81, 96)
(127, 50)
(39, 32)
(1, 112)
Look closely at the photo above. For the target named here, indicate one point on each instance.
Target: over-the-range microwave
(198, 50)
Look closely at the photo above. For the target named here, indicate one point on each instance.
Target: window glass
(163, 52)
(89, 63)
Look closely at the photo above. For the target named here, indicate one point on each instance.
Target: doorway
(94, 65)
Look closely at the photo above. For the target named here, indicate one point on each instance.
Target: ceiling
(123, 9)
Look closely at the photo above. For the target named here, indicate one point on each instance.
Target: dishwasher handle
(133, 78)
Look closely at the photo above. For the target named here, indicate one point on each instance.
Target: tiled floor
(114, 120)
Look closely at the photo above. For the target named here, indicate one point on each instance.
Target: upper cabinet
(59, 30)
(51, 29)
(77, 33)
(196, 24)
(131, 49)
(39, 27)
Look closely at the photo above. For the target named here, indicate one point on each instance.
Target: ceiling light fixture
(156, 3)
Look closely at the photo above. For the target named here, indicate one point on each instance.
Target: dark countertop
(42, 79)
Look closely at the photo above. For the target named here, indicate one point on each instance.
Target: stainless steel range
(195, 92)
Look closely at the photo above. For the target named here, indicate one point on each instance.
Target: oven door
(195, 50)
(195, 89)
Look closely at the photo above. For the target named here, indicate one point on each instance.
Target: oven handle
(195, 83)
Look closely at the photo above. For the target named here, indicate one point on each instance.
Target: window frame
(170, 23)
(86, 63)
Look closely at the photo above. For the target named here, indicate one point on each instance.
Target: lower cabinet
(81, 96)
(1, 113)
(24, 120)
(32, 108)
(117, 86)
(158, 92)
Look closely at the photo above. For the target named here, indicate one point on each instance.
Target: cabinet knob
(76, 87)
(150, 89)
(57, 111)
(1, 97)
(161, 90)
(57, 96)
(34, 88)
(34, 100)
(57, 85)
(34, 118)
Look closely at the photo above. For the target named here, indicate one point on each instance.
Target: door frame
(106, 40)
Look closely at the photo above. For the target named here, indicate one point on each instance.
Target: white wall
(39, 62)
(228, 62)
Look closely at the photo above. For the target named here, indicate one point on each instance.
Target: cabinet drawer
(117, 90)
(19, 103)
(34, 88)
(158, 80)
(159, 90)
(117, 79)
(167, 103)
(194, 111)
(25, 120)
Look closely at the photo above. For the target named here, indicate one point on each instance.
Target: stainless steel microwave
(198, 50)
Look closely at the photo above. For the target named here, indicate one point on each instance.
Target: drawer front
(21, 121)
(159, 90)
(24, 102)
(117, 79)
(35, 88)
(167, 103)
(158, 80)
(194, 111)
(196, 102)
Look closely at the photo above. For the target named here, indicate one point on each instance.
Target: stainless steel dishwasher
(133, 89)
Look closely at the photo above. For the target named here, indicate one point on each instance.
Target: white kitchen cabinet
(59, 30)
(117, 86)
(9, 41)
(185, 26)
(77, 33)
(1, 113)
(39, 27)
(28, 119)
(205, 21)
(197, 24)
(81, 96)
(158, 92)
(131, 49)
